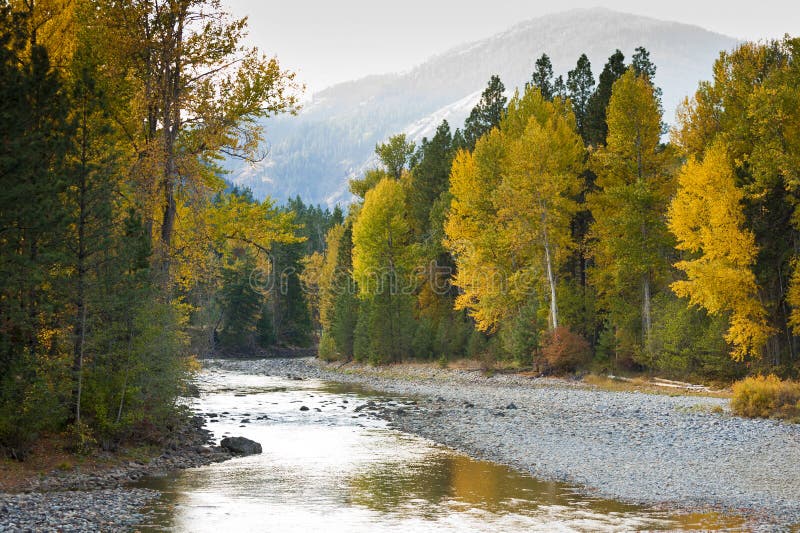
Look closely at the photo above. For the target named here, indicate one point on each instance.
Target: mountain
(333, 138)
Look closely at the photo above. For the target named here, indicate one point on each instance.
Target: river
(334, 467)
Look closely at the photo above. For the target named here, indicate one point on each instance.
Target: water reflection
(333, 469)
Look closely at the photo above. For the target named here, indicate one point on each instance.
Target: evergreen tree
(487, 114)
(595, 124)
(580, 87)
(91, 194)
(430, 176)
(641, 64)
(345, 312)
(35, 134)
(241, 305)
(560, 88)
(543, 77)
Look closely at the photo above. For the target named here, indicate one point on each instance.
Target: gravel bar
(71, 501)
(679, 452)
(99, 510)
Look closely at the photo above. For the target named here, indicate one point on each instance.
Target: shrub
(327, 348)
(565, 351)
(765, 397)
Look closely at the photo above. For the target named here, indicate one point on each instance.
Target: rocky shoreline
(678, 452)
(100, 500)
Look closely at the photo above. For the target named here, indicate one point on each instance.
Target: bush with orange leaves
(565, 351)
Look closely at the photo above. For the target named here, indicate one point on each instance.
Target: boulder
(240, 445)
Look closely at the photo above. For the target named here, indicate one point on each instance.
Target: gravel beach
(74, 500)
(682, 452)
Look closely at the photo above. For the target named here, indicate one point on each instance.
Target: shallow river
(332, 468)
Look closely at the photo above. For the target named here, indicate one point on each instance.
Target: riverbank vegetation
(766, 397)
(118, 234)
(560, 230)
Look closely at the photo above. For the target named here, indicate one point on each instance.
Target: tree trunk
(551, 279)
(80, 318)
(646, 319)
(173, 67)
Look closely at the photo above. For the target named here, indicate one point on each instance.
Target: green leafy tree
(630, 237)
(395, 154)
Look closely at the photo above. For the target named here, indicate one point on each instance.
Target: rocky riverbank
(97, 499)
(681, 452)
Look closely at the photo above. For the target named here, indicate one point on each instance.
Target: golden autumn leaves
(515, 195)
(706, 218)
(513, 199)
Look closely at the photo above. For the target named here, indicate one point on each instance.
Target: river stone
(240, 445)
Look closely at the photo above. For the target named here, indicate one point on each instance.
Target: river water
(334, 468)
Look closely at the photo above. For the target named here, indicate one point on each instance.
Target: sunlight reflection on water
(331, 469)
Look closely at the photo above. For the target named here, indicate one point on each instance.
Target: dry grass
(766, 397)
(642, 384)
(412, 370)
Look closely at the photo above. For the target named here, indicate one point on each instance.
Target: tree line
(558, 229)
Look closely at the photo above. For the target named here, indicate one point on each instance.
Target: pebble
(72, 501)
(97, 510)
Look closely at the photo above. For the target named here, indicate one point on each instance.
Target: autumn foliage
(565, 351)
(765, 397)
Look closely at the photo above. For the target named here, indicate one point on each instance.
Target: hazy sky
(329, 41)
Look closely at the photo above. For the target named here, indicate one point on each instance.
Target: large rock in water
(240, 445)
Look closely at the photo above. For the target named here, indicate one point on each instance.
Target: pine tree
(345, 311)
(430, 177)
(580, 87)
(543, 77)
(595, 124)
(487, 114)
(92, 191)
(35, 134)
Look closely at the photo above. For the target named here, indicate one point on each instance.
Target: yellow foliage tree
(472, 235)
(536, 200)
(706, 218)
(380, 239)
(321, 271)
(513, 201)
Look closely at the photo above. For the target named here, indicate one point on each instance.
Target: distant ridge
(332, 139)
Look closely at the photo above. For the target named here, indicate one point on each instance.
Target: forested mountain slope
(333, 138)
